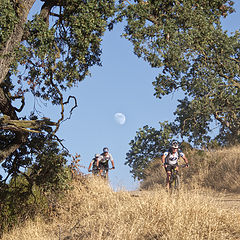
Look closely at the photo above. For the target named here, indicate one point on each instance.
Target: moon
(120, 118)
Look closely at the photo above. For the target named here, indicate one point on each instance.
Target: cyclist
(170, 160)
(94, 164)
(103, 162)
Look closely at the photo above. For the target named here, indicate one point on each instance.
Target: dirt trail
(229, 200)
(225, 200)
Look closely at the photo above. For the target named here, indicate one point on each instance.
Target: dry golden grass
(218, 170)
(225, 174)
(92, 210)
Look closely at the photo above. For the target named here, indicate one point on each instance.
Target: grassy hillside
(216, 169)
(91, 210)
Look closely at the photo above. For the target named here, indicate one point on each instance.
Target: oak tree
(44, 51)
(147, 145)
(185, 41)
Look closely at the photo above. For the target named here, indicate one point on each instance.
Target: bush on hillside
(21, 199)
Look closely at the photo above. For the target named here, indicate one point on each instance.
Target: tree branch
(75, 105)
(25, 125)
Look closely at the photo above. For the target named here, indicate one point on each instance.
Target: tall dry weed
(92, 210)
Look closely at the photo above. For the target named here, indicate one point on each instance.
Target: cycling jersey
(94, 163)
(105, 159)
(172, 158)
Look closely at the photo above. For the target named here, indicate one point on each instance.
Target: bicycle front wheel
(177, 182)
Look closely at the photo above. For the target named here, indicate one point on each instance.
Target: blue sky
(123, 84)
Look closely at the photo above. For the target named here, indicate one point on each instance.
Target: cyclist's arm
(112, 164)
(90, 165)
(185, 159)
(163, 158)
(111, 159)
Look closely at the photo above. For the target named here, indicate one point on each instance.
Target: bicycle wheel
(177, 182)
(171, 181)
(104, 174)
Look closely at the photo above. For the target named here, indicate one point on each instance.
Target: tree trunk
(20, 138)
(7, 52)
(7, 55)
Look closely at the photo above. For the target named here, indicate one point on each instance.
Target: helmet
(105, 150)
(97, 155)
(174, 144)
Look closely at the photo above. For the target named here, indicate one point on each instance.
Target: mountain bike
(174, 181)
(95, 172)
(104, 172)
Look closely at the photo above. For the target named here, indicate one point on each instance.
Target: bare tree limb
(75, 105)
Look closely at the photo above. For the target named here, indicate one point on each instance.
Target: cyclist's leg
(95, 171)
(106, 169)
(101, 167)
(168, 171)
(177, 180)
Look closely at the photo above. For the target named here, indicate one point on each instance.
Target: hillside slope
(92, 210)
(215, 169)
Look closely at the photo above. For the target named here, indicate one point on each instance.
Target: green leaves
(50, 53)
(60, 56)
(8, 19)
(37, 188)
(147, 145)
(185, 41)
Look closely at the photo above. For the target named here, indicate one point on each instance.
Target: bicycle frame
(104, 172)
(174, 181)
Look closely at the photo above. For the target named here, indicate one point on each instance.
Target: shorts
(169, 168)
(103, 165)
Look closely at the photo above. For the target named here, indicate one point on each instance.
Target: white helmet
(174, 144)
(105, 150)
(97, 155)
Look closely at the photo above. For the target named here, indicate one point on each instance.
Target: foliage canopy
(185, 40)
(43, 55)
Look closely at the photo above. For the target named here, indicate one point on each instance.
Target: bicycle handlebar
(182, 165)
(91, 170)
